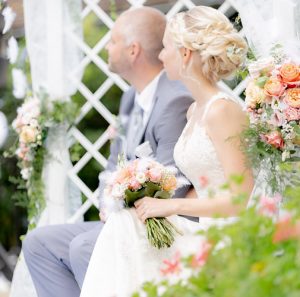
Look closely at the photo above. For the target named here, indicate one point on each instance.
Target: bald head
(146, 26)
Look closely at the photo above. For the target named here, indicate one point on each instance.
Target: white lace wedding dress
(123, 259)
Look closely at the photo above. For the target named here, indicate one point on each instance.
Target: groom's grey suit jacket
(165, 124)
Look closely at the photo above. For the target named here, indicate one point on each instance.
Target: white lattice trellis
(93, 100)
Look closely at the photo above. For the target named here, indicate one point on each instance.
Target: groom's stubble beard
(120, 67)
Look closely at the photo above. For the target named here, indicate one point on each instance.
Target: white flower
(263, 64)
(12, 50)
(285, 155)
(3, 129)
(19, 83)
(141, 177)
(34, 123)
(117, 191)
(25, 173)
(9, 17)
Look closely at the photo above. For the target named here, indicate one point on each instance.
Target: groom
(152, 113)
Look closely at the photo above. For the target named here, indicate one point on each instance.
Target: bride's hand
(154, 208)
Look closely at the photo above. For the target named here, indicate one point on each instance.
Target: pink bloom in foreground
(201, 256)
(268, 206)
(172, 266)
(285, 229)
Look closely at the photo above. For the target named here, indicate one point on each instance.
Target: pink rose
(155, 175)
(275, 139)
(292, 114)
(134, 184)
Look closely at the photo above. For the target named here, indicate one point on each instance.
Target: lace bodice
(196, 157)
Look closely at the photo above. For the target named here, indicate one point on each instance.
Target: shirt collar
(145, 99)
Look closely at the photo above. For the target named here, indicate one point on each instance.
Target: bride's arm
(224, 121)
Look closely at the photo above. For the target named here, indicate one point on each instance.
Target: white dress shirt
(145, 99)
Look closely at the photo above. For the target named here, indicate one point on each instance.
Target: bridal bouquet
(137, 179)
(273, 105)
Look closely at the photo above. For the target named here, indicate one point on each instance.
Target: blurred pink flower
(269, 206)
(172, 266)
(286, 229)
(201, 256)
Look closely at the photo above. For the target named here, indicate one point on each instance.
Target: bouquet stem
(161, 232)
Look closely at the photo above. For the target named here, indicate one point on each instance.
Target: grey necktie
(135, 129)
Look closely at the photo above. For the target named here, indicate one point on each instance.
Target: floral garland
(34, 119)
(273, 105)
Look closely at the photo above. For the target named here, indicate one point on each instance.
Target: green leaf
(151, 189)
(162, 195)
(132, 196)
(261, 81)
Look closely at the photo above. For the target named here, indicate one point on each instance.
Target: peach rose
(169, 184)
(274, 87)
(28, 134)
(123, 176)
(275, 139)
(293, 97)
(292, 114)
(254, 95)
(290, 73)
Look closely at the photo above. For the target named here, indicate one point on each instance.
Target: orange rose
(169, 184)
(274, 87)
(290, 73)
(293, 97)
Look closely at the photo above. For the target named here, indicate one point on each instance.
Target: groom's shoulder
(171, 89)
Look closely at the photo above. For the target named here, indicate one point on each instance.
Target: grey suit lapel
(155, 98)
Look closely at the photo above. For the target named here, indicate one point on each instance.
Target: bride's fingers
(138, 202)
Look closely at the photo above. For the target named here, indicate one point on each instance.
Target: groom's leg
(47, 252)
(81, 249)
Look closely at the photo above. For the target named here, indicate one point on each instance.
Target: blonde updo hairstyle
(209, 33)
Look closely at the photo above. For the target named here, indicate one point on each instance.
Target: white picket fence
(93, 100)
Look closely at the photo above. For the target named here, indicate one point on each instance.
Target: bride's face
(170, 57)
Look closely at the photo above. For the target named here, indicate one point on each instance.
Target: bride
(200, 48)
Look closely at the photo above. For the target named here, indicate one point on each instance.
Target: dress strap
(218, 96)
